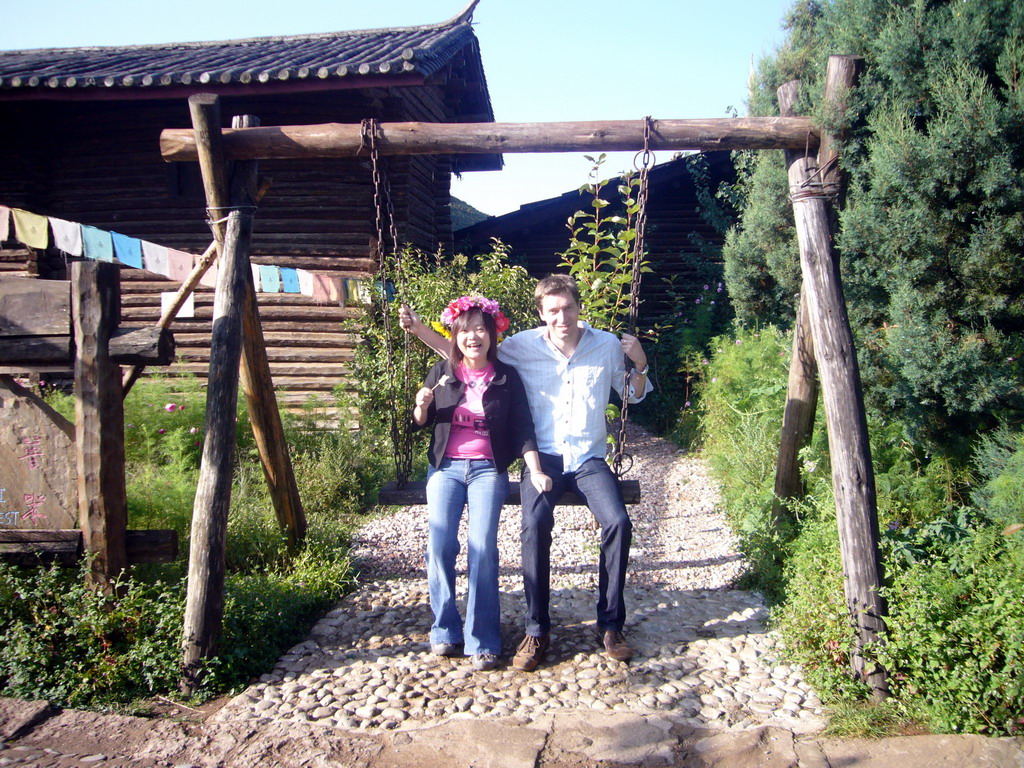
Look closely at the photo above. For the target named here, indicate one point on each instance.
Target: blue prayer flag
(270, 278)
(97, 243)
(127, 249)
(290, 280)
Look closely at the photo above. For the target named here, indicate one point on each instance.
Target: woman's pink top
(469, 438)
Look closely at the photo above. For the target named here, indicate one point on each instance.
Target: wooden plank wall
(99, 164)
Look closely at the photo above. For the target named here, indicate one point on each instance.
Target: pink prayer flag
(179, 265)
(326, 289)
(5, 223)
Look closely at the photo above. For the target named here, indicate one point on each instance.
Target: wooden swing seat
(415, 492)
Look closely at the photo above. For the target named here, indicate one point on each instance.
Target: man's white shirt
(568, 395)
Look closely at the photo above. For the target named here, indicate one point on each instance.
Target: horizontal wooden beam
(343, 140)
(30, 547)
(128, 346)
(416, 493)
(27, 546)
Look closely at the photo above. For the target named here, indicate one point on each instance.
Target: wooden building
(79, 135)
(677, 235)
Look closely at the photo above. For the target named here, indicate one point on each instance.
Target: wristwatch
(644, 371)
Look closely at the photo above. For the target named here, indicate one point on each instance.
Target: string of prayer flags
(305, 282)
(179, 265)
(154, 258)
(67, 235)
(289, 280)
(270, 277)
(127, 249)
(97, 244)
(77, 239)
(31, 229)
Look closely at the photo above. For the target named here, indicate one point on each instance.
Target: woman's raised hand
(407, 318)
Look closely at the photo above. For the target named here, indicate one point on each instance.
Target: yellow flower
(440, 329)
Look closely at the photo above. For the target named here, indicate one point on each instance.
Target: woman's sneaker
(484, 661)
(445, 649)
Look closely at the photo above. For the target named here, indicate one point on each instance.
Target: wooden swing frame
(832, 350)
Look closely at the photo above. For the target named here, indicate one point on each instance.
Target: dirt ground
(36, 734)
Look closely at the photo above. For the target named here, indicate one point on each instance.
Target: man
(569, 370)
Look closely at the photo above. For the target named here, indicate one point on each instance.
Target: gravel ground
(703, 652)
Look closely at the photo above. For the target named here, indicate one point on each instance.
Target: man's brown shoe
(616, 647)
(530, 653)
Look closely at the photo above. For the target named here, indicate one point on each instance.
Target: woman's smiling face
(473, 340)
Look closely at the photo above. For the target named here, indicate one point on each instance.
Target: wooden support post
(204, 606)
(258, 386)
(802, 389)
(798, 416)
(99, 421)
(853, 477)
(802, 392)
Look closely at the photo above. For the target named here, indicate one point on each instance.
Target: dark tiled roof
(417, 51)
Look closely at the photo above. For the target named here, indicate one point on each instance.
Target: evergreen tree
(932, 233)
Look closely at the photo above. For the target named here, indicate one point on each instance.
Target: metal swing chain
(646, 160)
(401, 433)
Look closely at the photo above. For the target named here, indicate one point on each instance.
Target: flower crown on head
(466, 303)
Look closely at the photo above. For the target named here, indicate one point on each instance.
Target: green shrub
(680, 336)
(742, 394)
(814, 620)
(999, 463)
(67, 644)
(955, 642)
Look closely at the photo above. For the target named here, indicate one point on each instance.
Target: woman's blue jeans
(449, 488)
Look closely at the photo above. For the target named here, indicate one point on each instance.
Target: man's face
(561, 315)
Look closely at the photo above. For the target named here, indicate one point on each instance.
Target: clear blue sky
(545, 60)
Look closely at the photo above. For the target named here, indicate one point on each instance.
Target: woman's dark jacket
(506, 412)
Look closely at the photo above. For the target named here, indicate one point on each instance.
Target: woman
(481, 419)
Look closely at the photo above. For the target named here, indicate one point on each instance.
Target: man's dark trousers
(595, 484)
